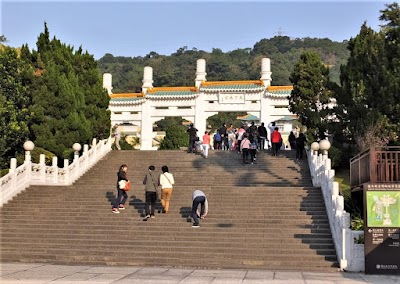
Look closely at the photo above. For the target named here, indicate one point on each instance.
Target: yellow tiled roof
(127, 95)
(218, 83)
(279, 88)
(171, 89)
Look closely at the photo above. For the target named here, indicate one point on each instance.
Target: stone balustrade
(27, 174)
(350, 254)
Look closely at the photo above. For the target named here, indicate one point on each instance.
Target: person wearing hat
(117, 136)
(192, 137)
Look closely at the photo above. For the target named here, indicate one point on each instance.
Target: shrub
(335, 154)
(123, 144)
(175, 137)
(35, 154)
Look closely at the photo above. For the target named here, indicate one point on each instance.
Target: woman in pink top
(245, 148)
(206, 144)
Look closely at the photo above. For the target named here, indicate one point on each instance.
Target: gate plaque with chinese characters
(231, 98)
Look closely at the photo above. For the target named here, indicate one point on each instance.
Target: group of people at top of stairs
(151, 183)
(246, 140)
(227, 138)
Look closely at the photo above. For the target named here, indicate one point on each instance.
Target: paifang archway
(197, 103)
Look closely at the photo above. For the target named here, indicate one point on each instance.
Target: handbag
(124, 185)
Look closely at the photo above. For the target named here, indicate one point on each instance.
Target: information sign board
(382, 230)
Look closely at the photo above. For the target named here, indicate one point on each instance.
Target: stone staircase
(262, 216)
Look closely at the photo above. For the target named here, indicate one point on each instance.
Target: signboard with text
(231, 98)
(382, 229)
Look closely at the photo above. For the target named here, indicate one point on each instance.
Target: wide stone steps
(218, 245)
(182, 260)
(262, 216)
(251, 253)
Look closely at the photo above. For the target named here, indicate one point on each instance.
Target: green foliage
(52, 96)
(178, 69)
(310, 94)
(357, 224)
(368, 103)
(163, 124)
(342, 176)
(69, 102)
(175, 137)
(15, 99)
(3, 172)
(335, 154)
(35, 156)
(217, 120)
(124, 144)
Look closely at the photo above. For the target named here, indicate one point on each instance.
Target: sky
(135, 28)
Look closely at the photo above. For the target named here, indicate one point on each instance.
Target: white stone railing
(27, 174)
(350, 254)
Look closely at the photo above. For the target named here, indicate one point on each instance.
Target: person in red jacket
(276, 140)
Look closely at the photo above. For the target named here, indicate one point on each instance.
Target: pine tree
(15, 98)
(69, 102)
(310, 95)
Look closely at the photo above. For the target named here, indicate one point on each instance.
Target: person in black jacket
(300, 142)
(192, 137)
(263, 134)
(292, 140)
(119, 203)
(224, 137)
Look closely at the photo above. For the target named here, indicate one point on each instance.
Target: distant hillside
(178, 69)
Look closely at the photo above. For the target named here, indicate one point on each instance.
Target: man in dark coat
(224, 136)
(192, 137)
(263, 134)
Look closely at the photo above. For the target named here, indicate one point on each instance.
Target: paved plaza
(48, 273)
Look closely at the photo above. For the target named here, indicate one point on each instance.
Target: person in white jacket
(199, 197)
(166, 182)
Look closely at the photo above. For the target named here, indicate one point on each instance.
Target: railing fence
(27, 174)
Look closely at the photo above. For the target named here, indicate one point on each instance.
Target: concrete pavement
(63, 274)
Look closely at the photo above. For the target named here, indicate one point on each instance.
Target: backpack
(217, 137)
(275, 137)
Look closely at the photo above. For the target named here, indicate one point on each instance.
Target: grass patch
(343, 178)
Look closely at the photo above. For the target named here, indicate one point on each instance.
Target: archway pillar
(146, 132)
(200, 117)
(267, 111)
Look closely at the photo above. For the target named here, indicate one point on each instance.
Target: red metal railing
(376, 165)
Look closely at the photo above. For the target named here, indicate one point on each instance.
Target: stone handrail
(350, 254)
(27, 174)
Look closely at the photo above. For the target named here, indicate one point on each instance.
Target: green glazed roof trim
(172, 93)
(126, 99)
(234, 87)
(284, 92)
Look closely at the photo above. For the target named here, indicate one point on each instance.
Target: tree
(15, 99)
(165, 123)
(175, 137)
(310, 95)
(69, 102)
(391, 15)
(367, 96)
(217, 120)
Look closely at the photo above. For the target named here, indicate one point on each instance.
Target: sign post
(382, 228)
